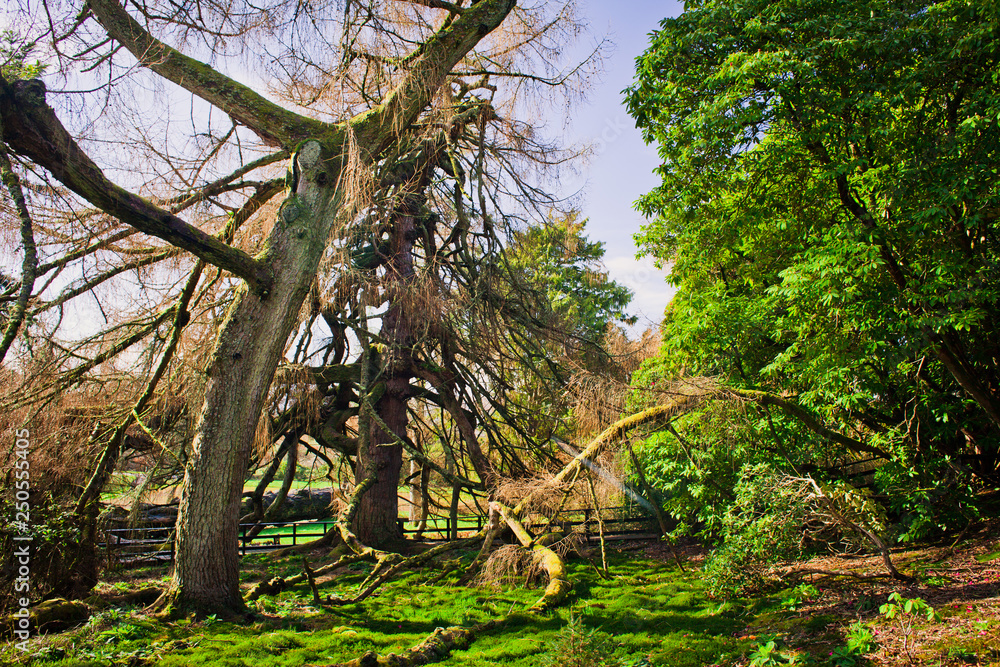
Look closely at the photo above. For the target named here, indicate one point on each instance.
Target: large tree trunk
(377, 521)
(250, 345)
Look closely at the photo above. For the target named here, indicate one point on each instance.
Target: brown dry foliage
(509, 565)
(546, 495)
(598, 399)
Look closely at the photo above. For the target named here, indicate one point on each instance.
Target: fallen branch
(616, 432)
(436, 647)
(276, 585)
(559, 586)
(841, 517)
(600, 523)
(830, 573)
(311, 578)
(390, 569)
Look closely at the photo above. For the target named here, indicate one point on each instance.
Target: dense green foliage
(559, 259)
(829, 208)
(830, 204)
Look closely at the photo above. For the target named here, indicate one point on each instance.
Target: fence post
(295, 529)
(243, 539)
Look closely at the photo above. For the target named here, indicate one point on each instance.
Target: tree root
(50, 616)
(142, 598)
(173, 605)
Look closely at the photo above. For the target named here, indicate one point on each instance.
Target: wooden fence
(137, 545)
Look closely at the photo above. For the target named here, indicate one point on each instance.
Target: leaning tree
(333, 157)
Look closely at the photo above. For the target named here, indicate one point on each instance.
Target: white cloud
(648, 283)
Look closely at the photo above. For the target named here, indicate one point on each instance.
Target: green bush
(762, 527)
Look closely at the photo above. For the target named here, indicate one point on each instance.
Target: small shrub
(763, 526)
(577, 646)
(768, 655)
(860, 641)
(905, 611)
(860, 638)
(796, 597)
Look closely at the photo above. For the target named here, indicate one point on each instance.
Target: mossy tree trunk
(206, 575)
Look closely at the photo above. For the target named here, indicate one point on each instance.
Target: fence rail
(156, 543)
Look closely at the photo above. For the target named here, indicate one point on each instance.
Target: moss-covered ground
(645, 611)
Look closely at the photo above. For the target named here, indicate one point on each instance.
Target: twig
(312, 580)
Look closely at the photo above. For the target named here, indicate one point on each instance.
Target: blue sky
(621, 168)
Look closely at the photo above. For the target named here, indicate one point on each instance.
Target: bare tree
(327, 156)
(370, 103)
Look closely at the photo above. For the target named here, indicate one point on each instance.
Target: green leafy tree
(829, 203)
(559, 259)
(577, 303)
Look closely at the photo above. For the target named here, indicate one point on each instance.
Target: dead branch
(390, 569)
(29, 265)
(793, 571)
(311, 578)
(492, 530)
(558, 587)
(109, 457)
(840, 517)
(433, 649)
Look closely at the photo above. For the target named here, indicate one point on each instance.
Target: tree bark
(206, 574)
(377, 521)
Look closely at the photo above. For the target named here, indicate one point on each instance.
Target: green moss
(987, 557)
(648, 611)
